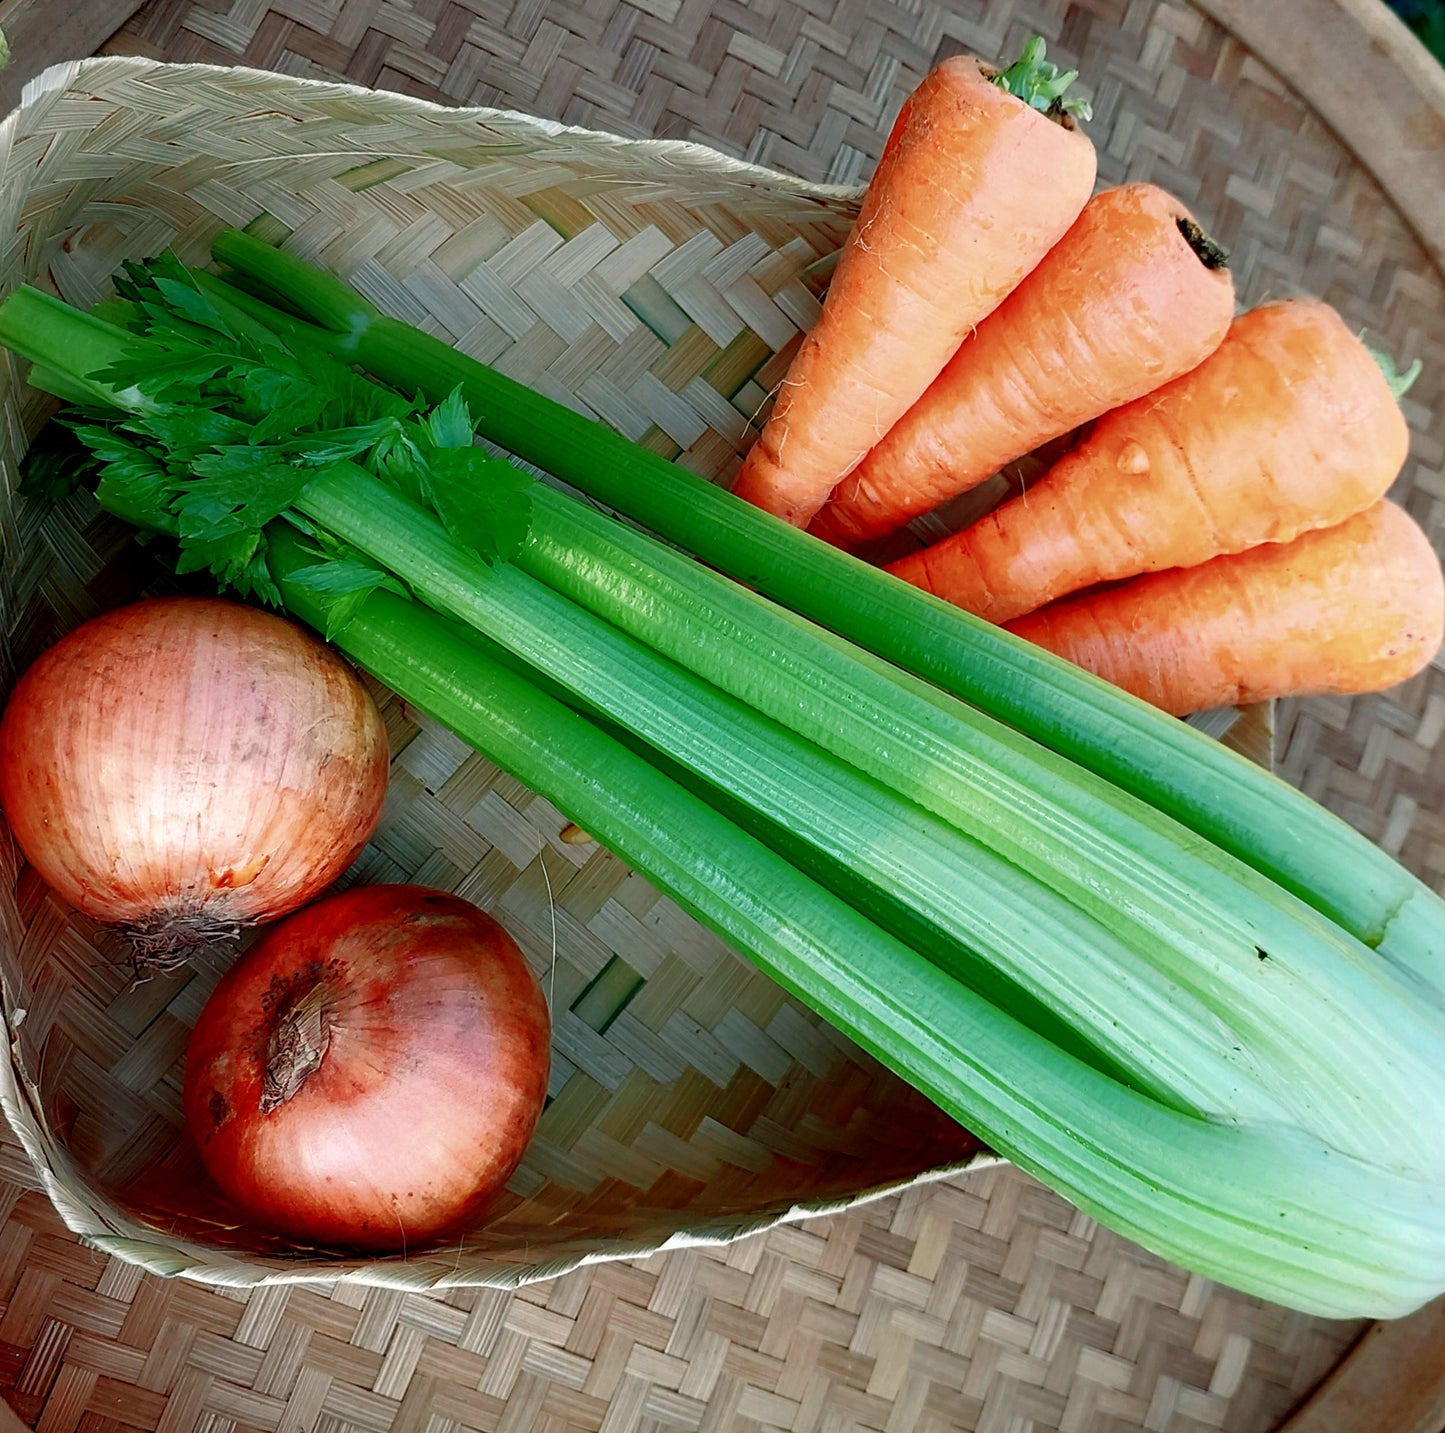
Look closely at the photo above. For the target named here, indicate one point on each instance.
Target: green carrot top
(1041, 85)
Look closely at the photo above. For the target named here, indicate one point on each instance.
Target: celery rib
(955, 881)
(1227, 799)
(1237, 1203)
(1193, 928)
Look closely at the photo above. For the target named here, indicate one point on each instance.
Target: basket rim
(45, 88)
(1371, 81)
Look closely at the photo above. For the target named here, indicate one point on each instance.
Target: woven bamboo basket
(656, 285)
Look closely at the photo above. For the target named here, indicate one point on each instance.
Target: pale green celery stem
(1262, 1209)
(1018, 925)
(1214, 791)
(60, 385)
(1358, 1085)
(249, 324)
(1244, 961)
(239, 306)
(66, 347)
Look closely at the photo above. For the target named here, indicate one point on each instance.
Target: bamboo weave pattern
(1064, 1327)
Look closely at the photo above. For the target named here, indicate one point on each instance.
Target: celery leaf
(343, 584)
(484, 502)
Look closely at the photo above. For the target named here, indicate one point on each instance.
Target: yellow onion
(185, 766)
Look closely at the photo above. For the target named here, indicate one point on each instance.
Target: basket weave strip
(993, 1305)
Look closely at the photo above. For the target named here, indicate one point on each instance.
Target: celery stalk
(959, 883)
(1225, 798)
(1212, 981)
(1261, 1207)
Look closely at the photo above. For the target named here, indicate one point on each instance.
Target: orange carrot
(973, 188)
(1352, 608)
(1289, 425)
(1133, 295)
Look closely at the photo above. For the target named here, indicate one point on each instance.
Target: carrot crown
(1400, 383)
(1211, 255)
(1038, 83)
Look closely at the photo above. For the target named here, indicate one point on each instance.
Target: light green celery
(856, 882)
(1222, 796)
(1196, 1056)
(1261, 1208)
(1228, 944)
(1214, 959)
(59, 386)
(68, 345)
(65, 346)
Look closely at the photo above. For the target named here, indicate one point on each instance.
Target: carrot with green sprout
(982, 174)
(1134, 295)
(1289, 425)
(1353, 608)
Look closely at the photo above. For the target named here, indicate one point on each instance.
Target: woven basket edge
(57, 79)
(172, 1261)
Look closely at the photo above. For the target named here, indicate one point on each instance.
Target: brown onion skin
(191, 762)
(427, 1094)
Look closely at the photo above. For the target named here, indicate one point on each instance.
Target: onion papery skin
(418, 1099)
(185, 766)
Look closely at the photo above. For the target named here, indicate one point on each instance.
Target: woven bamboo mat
(986, 1303)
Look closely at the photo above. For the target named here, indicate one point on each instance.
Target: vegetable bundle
(1154, 976)
(1203, 535)
(976, 184)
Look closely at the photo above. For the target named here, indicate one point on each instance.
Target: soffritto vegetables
(1352, 608)
(982, 173)
(1289, 425)
(1329, 1049)
(1133, 295)
(370, 1072)
(185, 766)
